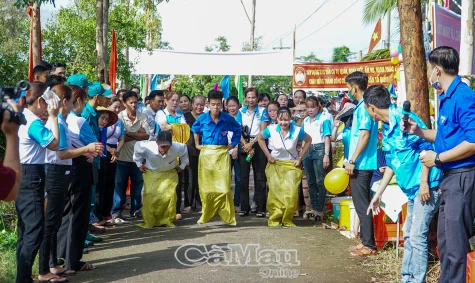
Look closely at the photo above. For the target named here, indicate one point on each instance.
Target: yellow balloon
(394, 60)
(336, 181)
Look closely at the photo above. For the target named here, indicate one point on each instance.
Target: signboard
(332, 75)
(447, 29)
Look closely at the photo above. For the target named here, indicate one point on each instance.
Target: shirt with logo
(284, 147)
(402, 153)
(318, 128)
(34, 137)
(252, 119)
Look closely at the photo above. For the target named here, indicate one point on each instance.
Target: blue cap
(95, 89)
(78, 79)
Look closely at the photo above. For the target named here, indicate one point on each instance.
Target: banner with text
(332, 75)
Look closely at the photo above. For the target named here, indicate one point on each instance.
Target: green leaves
(341, 54)
(309, 58)
(22, 3)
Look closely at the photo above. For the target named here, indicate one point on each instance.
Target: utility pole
(294, 40)
(387, 43)
(253, 25)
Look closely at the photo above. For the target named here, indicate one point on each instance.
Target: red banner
(332, 75)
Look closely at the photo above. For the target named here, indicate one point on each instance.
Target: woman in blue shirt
(34, 138)
(74, 225)
(58, 178)
(232, 104)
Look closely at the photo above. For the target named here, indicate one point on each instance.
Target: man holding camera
(10, 172)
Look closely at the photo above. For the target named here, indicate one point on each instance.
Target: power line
(328, 22)
(284, 35)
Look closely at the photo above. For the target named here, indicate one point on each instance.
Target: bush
(8, 240)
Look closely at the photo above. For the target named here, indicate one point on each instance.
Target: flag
(30, 63)
(238, 84)
(216, 86)
(375, 37)
(113, 62)
(142, 84)
(392, 90)
(225, 86)
(154, 82)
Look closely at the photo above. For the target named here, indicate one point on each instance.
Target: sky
(190, 25)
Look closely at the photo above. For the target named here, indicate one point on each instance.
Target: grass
(386, 268)
(8, 239)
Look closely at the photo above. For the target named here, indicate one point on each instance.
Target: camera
(246, 133)
(13, 93)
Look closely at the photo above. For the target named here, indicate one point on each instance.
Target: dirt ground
(133, 254)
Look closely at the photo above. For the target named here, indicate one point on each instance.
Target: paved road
(133, 254)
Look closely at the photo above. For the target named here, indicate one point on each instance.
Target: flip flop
(87, 266)
(53, 279)
(66, 272)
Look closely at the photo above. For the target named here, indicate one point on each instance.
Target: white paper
(49, 96)
(392, 200)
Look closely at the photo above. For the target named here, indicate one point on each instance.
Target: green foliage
(341, 54)
(22, 3)
(376, 9)
(8, 239)
(377, 55)
(309, 58)
(272, 85)
(221, 45)
(258, 41)
(69, 36)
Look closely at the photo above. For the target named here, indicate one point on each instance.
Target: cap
(78, 79)
(113, 118)
(95, 89)
(164, 138)
(108, 93)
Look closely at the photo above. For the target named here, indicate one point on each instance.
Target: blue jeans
(313, 164)
(237, 180)
(416, 226)
(124, 170)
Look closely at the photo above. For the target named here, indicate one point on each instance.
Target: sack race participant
(418, 182)
(160, 175)
(283, 170)
(214, 171)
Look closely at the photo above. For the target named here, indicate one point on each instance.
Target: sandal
(54, 279)
(363, 252)
(357, 247)
(260, 215)
(87, 266)
(65, 272)
(187, 210)
(243, 213)
(96, 229)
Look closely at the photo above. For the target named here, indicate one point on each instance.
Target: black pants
(105, 188)
(259, 162)
(179, 188)
(455, 225)
(73, 231)
(30, 210)
(58, 178)
(192, 172)
(360, 191)
(108, 196)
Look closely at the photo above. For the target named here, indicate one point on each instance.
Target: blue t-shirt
(362, 121)
(402, 153)
(217, 133)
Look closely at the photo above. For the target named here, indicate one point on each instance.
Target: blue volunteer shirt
(217, 133)
(92, 117)
(456, 121)
(345, 139)
(367, 160)
(402, 154)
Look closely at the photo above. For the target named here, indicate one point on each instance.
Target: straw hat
(113, 118)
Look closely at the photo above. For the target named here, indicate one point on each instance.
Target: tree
(415, 68)
(309, 58)
(246, 46)
(221, 45)
(377, 55)
(69, 37)
(100, 63)
(341, 54)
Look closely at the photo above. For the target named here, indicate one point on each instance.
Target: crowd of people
(83, 146)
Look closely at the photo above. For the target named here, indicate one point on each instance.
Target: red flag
(376, 36)
(113, 63)
(30, 63)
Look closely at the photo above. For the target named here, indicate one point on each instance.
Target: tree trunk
(415, 67)
(466, 40)
(124, 83)
(99, 39)
(105, 34)
(253, 26)
(36, 30)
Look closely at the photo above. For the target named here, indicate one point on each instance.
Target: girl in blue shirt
(34, 138)
(232, 104)
(58, 178)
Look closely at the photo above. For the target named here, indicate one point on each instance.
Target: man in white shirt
(157, 160)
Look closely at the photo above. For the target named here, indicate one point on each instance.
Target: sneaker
(253, 208)
(93, 238)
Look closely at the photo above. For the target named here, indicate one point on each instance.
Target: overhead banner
(447, 29)
(332, 75)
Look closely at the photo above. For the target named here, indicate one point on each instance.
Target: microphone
(407, 109)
